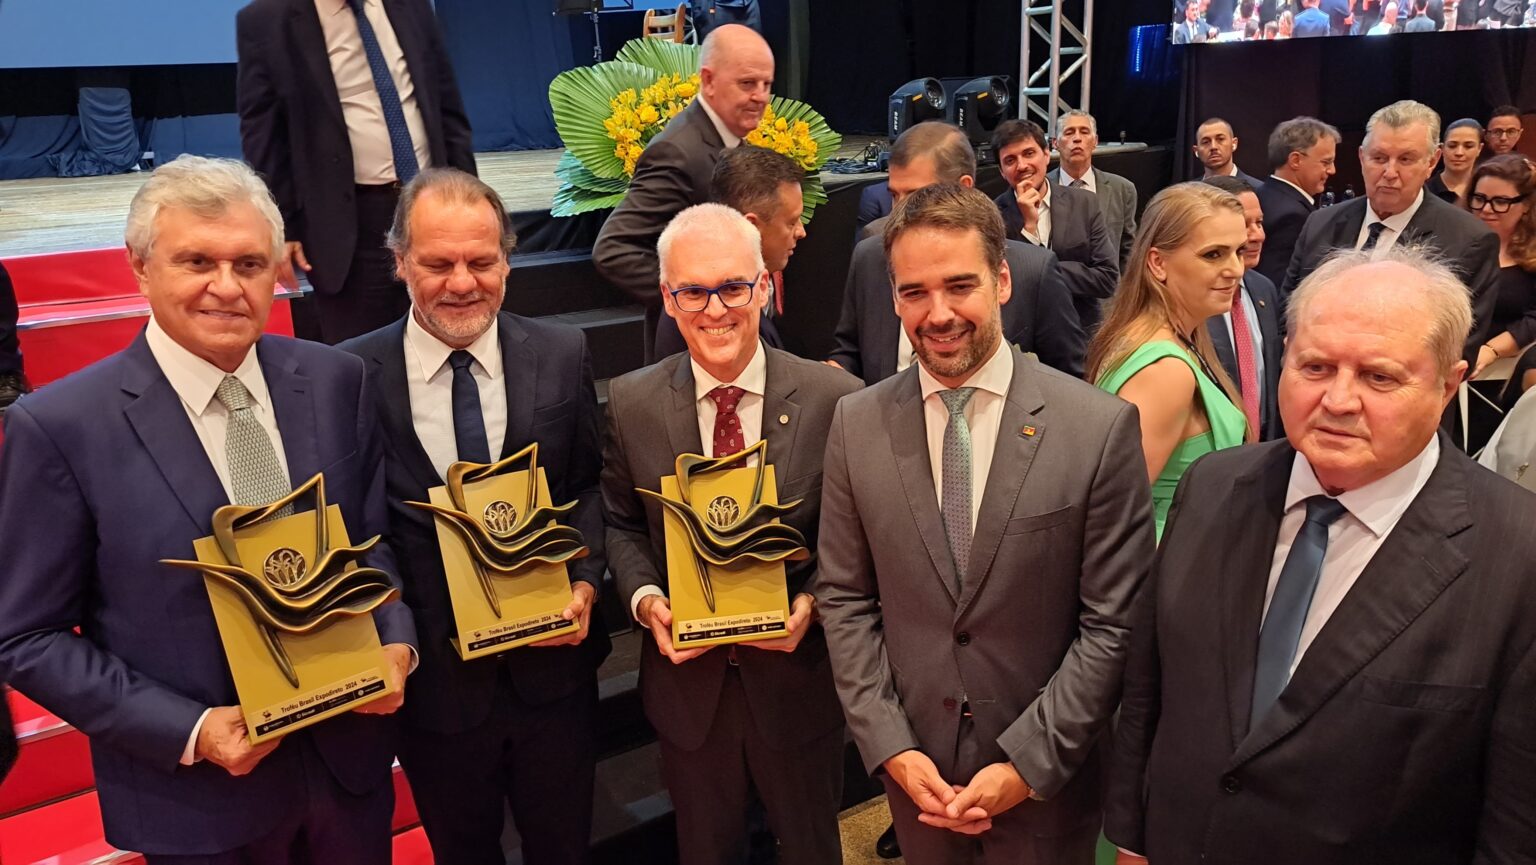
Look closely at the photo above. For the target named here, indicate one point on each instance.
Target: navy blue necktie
(1372, 235)
(389, 98)
(1288, 607)
(468, 424)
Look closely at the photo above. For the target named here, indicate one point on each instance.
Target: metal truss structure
(1055, 60)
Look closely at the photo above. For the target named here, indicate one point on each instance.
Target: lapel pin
(1261, 304)
(783, 419)
(1027, 431)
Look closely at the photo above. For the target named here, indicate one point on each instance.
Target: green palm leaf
(827, 141)
(580, 100)
(664, 57)
(571, 201)
(571, 171)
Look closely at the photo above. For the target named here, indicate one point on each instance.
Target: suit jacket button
(963, 638)
(1231, 784)
(949, 703)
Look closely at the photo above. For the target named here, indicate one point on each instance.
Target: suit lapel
(1421, 557)
(309, 47)
(1244, 558)
(1011, 460)
(519, 374)
(1347, 229)
(781, 419)
(395, 400)
(1225, 352)
(683, 420)
(160, 421)
(408, 33)
(909, 446)
(884, 331)
(293, 406)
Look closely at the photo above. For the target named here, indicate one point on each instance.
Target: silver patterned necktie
(255, 475)
(956, 482)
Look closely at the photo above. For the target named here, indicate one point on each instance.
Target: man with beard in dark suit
(1302, 151)
(341, 103)
(1052, 216)
(457, 380)
(674, 171)
(1400, 150)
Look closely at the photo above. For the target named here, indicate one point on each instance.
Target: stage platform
(55, 214)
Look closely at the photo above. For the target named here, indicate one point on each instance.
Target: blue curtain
(504, 55)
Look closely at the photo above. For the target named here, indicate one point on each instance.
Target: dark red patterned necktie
(729, 438)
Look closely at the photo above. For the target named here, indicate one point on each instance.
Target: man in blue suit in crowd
(123, 464)
(1311, 22)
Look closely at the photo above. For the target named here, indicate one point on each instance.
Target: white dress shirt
(1310, 200)
(429, 383)
(749, 412)
(906, 355)
(983, 413)
(373, 161)
(1373, 511)
(1089, 182)
(1042, 235)
(196, 382)
(731, 139)
(1395, 226)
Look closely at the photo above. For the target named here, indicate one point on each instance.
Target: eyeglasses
(1504, 133)
(1496, 203)
(695, 298)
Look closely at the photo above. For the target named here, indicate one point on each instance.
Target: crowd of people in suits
(1144, 531)
(1258, 20)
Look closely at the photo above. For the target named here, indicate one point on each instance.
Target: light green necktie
(956, 482)
(255, 475)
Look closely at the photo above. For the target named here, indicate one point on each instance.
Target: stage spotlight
(979, 105)
(918, 100)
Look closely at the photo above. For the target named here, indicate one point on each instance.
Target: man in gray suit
(1077, 136)
(1039, 319)
(985, 524)
(735, 83)
(1334, 661)
(763, 714)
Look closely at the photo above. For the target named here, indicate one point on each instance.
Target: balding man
(1344, 672)
(1401, 148)
(1040, 317)
(758, 715)
(735, 80)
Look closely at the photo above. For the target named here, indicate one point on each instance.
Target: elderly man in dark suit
(763, 714)
(735, 84)
(122, 464)
(1039, 318)
(1064, 220)
(1343, 673)
(1400, 150)
(1248, 336)
(1077, 136)
(1302, 152)
(341, 102)
(489, 733)
(985, 525)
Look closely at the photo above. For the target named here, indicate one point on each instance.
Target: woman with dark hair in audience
(1504, 197)
(1458, 156)
(1154, 350)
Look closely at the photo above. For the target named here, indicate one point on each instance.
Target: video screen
(1258, 20)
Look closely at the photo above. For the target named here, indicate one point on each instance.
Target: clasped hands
(968, 810)
(655, 613)
(223, 739)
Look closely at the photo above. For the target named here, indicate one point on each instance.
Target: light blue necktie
(400, 144)
(956, 480)
(1288, 608)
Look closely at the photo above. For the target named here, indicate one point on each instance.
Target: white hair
(1440, 291)
(1093, 125)
(205, 186)
(716, 222)
(1401, 115)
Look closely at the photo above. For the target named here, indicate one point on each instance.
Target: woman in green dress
(1153, 349)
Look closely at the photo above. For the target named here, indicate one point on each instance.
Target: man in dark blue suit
(1254, 317)
(1302, 152)
(499, 729)
(121, 465)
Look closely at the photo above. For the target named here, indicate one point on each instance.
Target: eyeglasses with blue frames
(1496, 203)
(695, 298)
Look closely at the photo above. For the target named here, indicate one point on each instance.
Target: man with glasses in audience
(757, 715)
(1503, 131)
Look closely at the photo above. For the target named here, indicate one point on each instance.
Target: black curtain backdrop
(1343, 80)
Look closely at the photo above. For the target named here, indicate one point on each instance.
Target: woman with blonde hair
(1153, 349)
